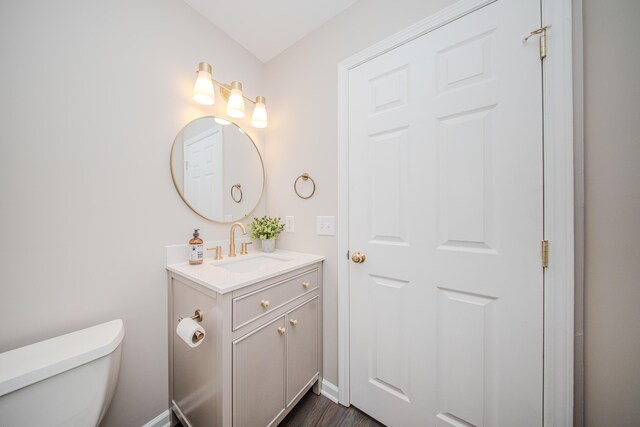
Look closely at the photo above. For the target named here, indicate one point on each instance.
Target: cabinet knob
(293, 322)
(281, 330)
(305, 284)
(264, 303)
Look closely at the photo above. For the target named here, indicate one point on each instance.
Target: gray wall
(612, 212)
(92, 96)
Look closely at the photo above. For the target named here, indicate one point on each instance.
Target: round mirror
(217, 169)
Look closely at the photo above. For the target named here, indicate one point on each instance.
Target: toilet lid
(27, 365)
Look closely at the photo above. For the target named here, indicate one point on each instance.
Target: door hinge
(542, 32)
(545, 253)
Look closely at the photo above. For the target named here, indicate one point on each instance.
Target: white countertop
(213, 274)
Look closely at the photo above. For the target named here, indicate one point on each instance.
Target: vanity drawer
(253, 305)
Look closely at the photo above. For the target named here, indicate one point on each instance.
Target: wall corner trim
(161, 420)
(330, 391)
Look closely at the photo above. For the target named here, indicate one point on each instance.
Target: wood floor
(315, 410)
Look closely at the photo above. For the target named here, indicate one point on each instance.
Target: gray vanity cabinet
(258, 372)
(302, 341)
(262, 350)
(289, 362)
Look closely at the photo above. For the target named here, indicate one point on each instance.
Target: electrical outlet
(326, 225)
(289, 224)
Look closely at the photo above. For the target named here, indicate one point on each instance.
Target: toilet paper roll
(187, 330)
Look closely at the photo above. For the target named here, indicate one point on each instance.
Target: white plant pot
(268, 245)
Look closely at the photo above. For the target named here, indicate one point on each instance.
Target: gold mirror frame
(175, 182)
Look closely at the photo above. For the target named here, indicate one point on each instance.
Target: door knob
(293, 322)
(264, 303)
(358, 257)
(281, 330)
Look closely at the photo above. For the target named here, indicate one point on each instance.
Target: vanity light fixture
(203, 89)
(235, 103)
(203, 93)
(259, 117)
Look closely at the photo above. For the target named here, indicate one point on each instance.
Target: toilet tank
(64, 381)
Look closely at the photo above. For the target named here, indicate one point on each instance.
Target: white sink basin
(230, 274)
(249, 265)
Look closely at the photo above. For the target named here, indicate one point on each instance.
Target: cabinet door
(258, 375)
(303, 335)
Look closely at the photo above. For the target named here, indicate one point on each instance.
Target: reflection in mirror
(217, 169)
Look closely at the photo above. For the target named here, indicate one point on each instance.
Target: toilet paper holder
(198, 316)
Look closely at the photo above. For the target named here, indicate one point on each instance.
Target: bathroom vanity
(262, 349)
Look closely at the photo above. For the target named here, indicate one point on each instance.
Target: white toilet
(64, 381)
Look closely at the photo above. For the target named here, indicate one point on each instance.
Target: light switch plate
(289, 225)
(326, 225)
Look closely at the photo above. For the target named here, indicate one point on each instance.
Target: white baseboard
(161, 420)
(329, 391)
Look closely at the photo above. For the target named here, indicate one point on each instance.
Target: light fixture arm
(226, 88)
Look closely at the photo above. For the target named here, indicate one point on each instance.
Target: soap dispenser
(196, 249)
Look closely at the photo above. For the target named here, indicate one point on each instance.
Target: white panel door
(203, 173)
(445, 201)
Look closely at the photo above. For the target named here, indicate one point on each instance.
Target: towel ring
(305, 177)
(236, 199)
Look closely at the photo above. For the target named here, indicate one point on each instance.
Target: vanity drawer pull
(262, 301)
(293, 322)
(281, 330)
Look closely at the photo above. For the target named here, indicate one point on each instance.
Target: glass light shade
(235, 104)
(222, 122)
(259, 117)
(203, 89)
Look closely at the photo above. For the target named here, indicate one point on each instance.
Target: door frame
(558, 198)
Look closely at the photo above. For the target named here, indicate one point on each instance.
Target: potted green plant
(266, 229)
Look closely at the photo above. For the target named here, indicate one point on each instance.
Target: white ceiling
(267, 27)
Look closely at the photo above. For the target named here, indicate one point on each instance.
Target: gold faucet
(232, 240)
